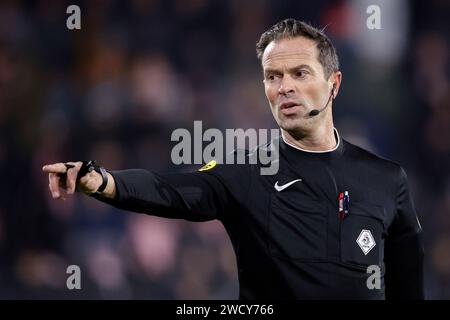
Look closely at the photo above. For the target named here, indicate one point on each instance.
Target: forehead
(290, 51)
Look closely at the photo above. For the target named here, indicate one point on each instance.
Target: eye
(301, 73)
(271, 77)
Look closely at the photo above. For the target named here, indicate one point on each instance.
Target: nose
(286, 86)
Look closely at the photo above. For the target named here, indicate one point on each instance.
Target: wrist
(110, 190)
(99, 173)
(103, 179)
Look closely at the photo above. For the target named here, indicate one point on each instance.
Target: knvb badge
(366, 241)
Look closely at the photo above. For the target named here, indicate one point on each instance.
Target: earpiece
(315, 112)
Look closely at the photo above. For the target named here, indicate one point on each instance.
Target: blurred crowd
(137, 70)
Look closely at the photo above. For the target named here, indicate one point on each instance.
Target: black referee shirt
(288, 237)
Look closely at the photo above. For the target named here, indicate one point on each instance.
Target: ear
(335, 81)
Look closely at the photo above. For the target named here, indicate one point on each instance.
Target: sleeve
(213, 192)
(404, 249)
(190, 196)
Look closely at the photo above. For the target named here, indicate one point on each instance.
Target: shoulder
(374, 162)
(232, 165)
(242, 163)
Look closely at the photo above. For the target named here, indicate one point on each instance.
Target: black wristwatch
(89, 166)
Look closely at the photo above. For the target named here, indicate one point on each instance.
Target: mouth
(289, 107)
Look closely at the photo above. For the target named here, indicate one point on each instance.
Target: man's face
(294, 82)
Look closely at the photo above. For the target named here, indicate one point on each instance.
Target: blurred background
(137, 70)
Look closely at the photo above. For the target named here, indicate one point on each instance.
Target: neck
(321, 140)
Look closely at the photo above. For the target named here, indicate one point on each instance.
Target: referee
(335, 221)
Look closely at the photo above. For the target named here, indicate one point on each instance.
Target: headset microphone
(315, 112)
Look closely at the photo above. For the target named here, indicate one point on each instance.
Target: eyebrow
(301, 66)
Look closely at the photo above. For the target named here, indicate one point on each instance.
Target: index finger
(55, 168)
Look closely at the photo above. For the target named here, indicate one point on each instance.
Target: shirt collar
(336, 135)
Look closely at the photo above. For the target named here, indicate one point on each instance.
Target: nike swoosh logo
(284, 186)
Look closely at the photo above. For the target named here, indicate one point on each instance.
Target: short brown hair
(291, 28)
